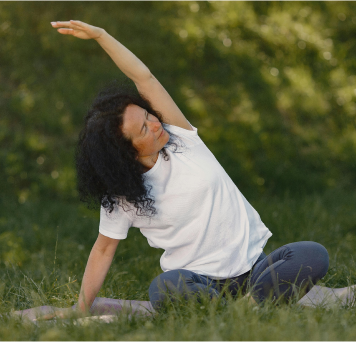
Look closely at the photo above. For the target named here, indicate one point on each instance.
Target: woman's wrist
(103, 35)
(84, 303)
(82, 309)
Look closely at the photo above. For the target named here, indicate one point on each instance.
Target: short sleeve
(116, 224)
(189, 137)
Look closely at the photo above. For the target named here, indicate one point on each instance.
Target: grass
(44, 247)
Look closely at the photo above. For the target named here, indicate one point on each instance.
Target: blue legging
(287, 270)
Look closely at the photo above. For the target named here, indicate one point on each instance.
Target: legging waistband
(240, 280)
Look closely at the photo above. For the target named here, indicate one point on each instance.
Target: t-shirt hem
(245, 269)
(265, 239)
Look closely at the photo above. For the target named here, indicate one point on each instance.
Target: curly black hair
(108, 172)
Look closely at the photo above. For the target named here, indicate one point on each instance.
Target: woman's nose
(155, 126)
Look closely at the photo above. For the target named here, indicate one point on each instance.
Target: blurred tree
(12, 251)
(270, 85)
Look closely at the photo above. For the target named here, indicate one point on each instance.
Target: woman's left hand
(61, 313)
(78, 29)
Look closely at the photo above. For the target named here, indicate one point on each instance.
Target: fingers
(68, 24)
(65, 31)
(57, 314)
(67, 27)
(78, 23)
(45, 317)
(77, 29)
(61, 23)
(71, 27)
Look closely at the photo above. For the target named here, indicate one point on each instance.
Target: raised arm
(131, 66)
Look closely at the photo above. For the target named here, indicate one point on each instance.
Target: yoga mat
(107, 309)
(102, 309)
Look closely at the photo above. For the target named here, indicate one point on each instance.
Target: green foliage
(11, 248)
(271, 87)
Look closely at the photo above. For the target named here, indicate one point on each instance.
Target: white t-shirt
(203, 222)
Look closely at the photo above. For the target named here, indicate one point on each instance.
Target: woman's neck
(148, 161)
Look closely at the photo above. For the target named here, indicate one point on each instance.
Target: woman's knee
(168, 283)
(315, 254)
(322, 257)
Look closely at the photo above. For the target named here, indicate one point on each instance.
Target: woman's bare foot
(326, 297)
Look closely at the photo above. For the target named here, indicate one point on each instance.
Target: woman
(146, 165)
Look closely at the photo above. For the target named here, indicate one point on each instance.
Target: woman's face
(144, 130)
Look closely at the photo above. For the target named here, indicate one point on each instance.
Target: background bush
(270, 85)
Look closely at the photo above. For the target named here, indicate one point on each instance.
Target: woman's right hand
(78, 29)
(63, 313)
